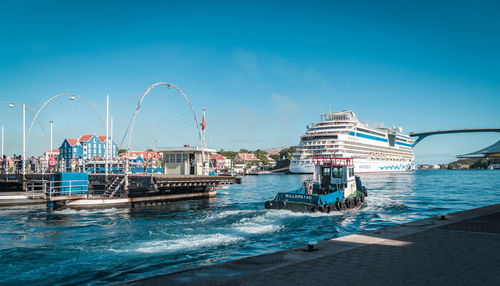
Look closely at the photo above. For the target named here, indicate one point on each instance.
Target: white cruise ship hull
(360, 166)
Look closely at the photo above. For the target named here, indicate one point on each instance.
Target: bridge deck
(422, 135)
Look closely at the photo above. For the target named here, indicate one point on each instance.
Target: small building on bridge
(187, 160)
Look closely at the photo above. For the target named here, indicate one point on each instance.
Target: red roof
(85, 138)
(217, 157)
(102, 138)
(144, 155)
(248, 156)
(53, 151)
(72, 142)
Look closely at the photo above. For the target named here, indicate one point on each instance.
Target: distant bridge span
(422, 135)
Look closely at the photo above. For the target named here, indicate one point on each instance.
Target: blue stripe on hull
(367, 136)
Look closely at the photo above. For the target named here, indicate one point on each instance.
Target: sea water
(104, 246)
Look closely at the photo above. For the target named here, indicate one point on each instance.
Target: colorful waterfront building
(87, 147)
(218, 163)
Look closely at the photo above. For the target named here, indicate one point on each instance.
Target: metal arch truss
(168, 85)
(28, 109)
(54, 97)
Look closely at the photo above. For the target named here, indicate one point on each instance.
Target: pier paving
(462, 249)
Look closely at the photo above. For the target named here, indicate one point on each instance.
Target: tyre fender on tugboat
(358, 200)
(362, 197)
(281, 204)
(337, 206)
(328, 208)
(269, 204)
(365, 192)
(319, 208)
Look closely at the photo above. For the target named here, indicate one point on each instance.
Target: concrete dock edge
(462, 248)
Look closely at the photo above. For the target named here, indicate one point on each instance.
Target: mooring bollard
(310, 246)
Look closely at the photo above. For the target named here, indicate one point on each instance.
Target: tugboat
(333, 187)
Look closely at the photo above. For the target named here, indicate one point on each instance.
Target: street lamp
(51, 123)
(11, 105)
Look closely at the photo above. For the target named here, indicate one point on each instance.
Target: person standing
(4, 164)
(62, 165)
(72, 164)
(19, 163)
(80, 165)
(10, 164)
(44, 164)
(52, 163)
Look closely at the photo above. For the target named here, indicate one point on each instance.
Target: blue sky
(264, 70)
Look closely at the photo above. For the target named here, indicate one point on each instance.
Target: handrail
(59, 188)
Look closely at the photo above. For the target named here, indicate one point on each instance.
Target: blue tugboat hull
(333, 201)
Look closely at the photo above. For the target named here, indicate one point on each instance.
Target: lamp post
(107, 138)
(24, 140)
(23, 106)
(51, 123)
(11, 105)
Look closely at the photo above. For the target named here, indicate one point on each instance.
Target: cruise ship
(340, 134)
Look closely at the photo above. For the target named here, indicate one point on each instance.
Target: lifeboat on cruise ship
(333, 187)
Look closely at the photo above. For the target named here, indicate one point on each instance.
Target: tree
(262, 156)
(287, 153)
(285, 156)
(121, 151)
(228, 154)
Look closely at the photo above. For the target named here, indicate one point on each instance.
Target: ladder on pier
(113, 188)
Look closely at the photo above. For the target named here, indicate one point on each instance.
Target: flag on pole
(203, 121)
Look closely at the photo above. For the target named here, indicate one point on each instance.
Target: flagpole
(203, 144)
(204, 125)
(106, 145)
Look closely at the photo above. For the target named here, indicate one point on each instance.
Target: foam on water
(186, 243)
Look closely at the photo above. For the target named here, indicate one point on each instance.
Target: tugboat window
(337, 172)
(326, 171)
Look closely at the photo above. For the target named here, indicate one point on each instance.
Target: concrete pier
(461, 248)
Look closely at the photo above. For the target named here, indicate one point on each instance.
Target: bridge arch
(168, 85)
(72, 96)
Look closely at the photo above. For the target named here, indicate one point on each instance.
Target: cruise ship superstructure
(340, 134)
